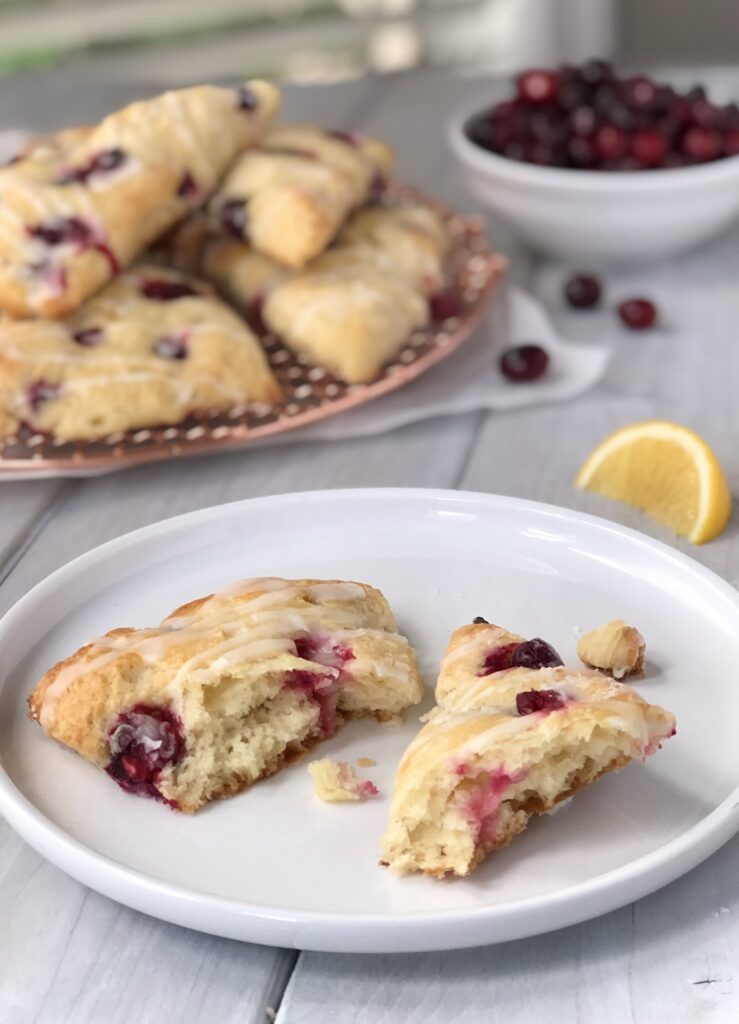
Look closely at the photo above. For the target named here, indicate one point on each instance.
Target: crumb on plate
(337, 782)
(615, 648)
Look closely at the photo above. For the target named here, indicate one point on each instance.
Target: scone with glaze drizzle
(514, 734)
(229, 688)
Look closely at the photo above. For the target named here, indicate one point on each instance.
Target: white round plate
(274, 865)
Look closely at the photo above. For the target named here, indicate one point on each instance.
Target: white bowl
(603, 216)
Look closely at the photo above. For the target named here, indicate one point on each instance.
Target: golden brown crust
(616, 649)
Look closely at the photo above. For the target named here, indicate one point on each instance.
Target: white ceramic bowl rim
(698, 176)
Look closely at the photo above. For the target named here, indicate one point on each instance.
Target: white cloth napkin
(469, 379)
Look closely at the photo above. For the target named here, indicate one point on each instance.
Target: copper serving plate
(311, 392)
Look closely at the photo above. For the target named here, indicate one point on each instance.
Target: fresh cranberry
(595, 72)
(144, 741)
(162, 290)
(255, 314)
(583, 121)
(731, 142)
(62, 230)
(246, 98)
(583, 291)
(88, 337)
(499, 659)
(171, 346)
(524, 363)
(611, 142)
(446, 304)
(187, 187)
(538, 86)
(536, 653)
(234, 217)
(702, 144)
(531, 701)
(101, 163)
(581, 152)
(478, 621)
(639, 92)
(40, 391)
(638, 314)
(649, 146)
(706, 114)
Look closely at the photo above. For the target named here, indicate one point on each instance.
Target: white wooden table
(67, 954)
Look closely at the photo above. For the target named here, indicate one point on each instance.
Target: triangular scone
(86, 208)
(229, 688)
(354, 306)
(507, 740)
(151, 348)
(290, 196)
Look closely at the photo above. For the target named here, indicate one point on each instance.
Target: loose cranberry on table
(583, 291)
(638, 314)
(524, 363)
(590, 118)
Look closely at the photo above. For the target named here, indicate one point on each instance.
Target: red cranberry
(88, 337)
(40, 391)
(171, 346)
(530, 701)
(638, 314)
(639, 92)
(187, 187)
(107, 160)
(323, 651)
(233, 218)
(254, 314)
(583, 291)
(524, 363)
(649, 146)
(594, 72)
(611, 142)
(702, 144)
(499, 659)
(583, 121)
(143, 742)
(62, 230)
(536, 653)
(479, 620)
(350, 138)
(581, 152)
(246, 98)
(706, 114)
(446, 304)
(162, 290)
(538, 86)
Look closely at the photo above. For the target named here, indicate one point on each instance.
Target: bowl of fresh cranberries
(584, 162)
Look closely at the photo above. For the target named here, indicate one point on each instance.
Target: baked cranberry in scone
(514, 734)
(230, 688)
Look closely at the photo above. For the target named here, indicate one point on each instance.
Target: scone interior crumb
(337, 782)
(366, 762)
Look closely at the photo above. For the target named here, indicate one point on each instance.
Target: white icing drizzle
(232, 630)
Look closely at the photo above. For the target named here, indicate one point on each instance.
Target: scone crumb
(366, 762)
(336, 782)
(615, 648)
(393, 720)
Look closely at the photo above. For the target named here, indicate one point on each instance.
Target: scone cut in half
(151, 348)
(229, 688)
(514, 733)
(85, 205)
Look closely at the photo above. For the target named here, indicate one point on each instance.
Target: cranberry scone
(81, 212)
(514, 733)
(229, 688)
(355, 305)
(290, 196)
(151, 348)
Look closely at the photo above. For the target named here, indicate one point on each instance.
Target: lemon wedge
(665, 470)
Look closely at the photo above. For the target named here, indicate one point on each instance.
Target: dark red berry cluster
(583, 291)
(587, 117)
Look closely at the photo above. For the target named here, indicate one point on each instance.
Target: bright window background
(192, 40)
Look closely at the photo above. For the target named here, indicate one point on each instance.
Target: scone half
(230, 688)
(510, 738)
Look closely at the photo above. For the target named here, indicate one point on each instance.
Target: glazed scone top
(71, 219)
(252, 620)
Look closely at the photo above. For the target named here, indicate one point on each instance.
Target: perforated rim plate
(274, 865)
(311, 392)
